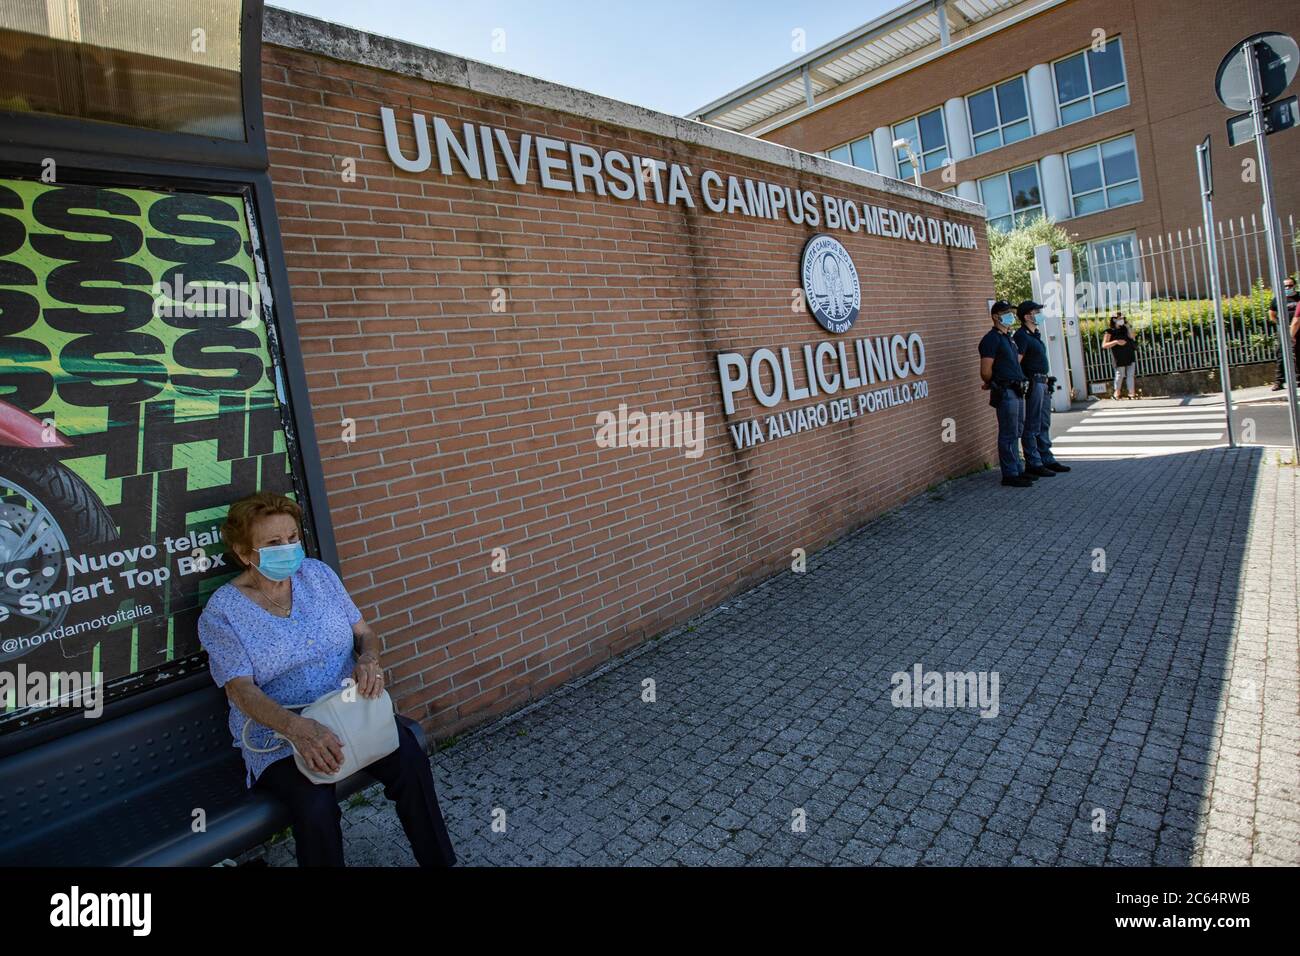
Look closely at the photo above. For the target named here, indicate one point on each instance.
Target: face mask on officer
(1007, 319)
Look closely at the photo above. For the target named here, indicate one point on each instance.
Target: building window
(1104, 176)
(860, 153)
(134, 64)
(999, 115)
(928, 139)
(1113, 269)
(1012, 199)
(1090, 82)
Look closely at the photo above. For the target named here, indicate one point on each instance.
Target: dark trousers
(408, 782)
(1011, 426)
(1280, 378)
(1033, 423)
(1037, 440)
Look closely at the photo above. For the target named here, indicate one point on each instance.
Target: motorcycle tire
(81, 516)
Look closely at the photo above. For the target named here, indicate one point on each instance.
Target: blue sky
(670, 55)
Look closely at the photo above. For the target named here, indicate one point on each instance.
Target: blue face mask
(1007, 319)
(279, 563)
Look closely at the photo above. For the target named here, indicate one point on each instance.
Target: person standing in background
(1122, 345)
(1291, 310)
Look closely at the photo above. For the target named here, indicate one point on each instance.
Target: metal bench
(123, 790)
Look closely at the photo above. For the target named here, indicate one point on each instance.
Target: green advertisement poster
(137, 401)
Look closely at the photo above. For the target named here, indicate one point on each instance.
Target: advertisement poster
(138, 399)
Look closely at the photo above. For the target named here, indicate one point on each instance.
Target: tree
(1012, 255)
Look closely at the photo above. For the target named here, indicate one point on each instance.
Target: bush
(1176, 325)
(1012, 256)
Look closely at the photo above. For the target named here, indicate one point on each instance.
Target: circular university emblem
(830, 284)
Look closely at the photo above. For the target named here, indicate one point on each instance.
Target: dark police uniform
(1004, 397)
(1037, 439)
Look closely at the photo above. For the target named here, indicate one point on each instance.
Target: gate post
(1073, 337)
(1049, 292)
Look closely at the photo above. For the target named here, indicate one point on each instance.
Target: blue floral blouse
(292, 660)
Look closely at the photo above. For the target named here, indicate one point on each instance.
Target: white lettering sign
(477, 152)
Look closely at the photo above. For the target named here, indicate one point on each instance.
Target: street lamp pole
(906, 145)
(1212, 261)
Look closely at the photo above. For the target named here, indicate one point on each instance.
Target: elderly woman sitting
(283, 633)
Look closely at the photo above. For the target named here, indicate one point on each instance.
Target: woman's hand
(368, 675)
(317, 744)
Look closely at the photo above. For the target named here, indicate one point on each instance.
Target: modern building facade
(1086, 111)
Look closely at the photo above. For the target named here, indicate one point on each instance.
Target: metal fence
(1162, 285)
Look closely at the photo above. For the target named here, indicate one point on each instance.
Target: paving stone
(1114, 694)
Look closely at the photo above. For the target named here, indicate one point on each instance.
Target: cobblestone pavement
(1162, 692)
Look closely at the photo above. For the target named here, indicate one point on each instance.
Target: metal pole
(1274, 255)
(1207, 210)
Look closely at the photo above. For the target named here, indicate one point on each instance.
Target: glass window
(931, 125)
(1071, 78)
(864, 153)
(996, 196)
(1104, 176)
(1123, 195)
(1078, 110)
(928, 139)
(1106, 68)
(860, 153)
(1112, 261)
(1024, 188)
(1012, 103)
(1119, 160)
(1085, 170)
(1016, 132)
(983, 110)
(907, 131)
(1013, 198)
(999, 115)
(133, 62)
(1111, 99)
(1091, 82)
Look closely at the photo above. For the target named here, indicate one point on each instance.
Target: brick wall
(476, 429)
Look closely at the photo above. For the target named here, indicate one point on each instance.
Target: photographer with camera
(1007, 386)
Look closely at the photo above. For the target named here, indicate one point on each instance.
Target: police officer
(1037, 439)
(1007, 386)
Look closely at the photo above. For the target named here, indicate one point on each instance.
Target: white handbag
(365, 725)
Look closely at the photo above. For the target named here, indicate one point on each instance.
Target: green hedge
(1169, 325)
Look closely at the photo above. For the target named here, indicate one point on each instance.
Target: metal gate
(1163, 288)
